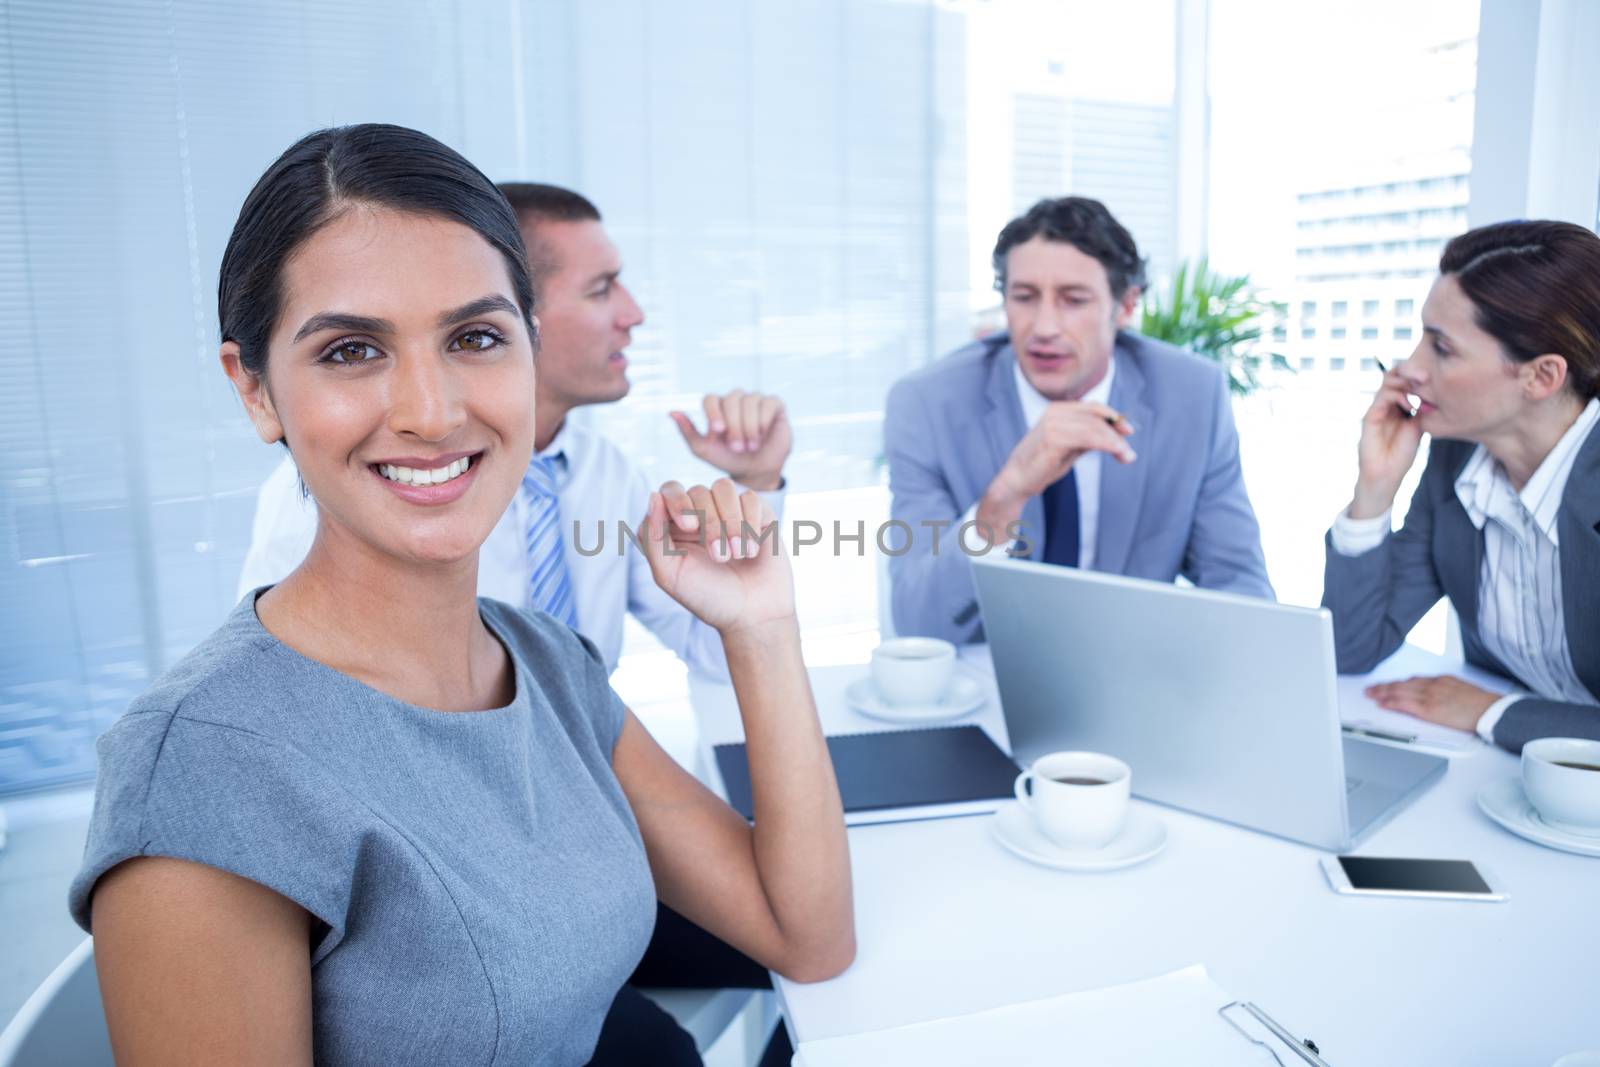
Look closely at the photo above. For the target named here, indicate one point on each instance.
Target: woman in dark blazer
(1506, 520)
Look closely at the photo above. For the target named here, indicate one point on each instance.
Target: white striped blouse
(1521, 618)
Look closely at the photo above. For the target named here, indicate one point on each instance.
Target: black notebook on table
(896, 775)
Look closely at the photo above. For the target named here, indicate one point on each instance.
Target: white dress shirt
(1521, 618)
(1086, 468)
(598, 487)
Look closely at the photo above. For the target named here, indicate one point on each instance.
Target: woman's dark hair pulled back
(1535, 288)
(325, 174)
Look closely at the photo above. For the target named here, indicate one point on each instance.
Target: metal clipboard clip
(1307, 1049)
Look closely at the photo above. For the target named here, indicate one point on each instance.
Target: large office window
(1062, 98)
(791, 206)
(1345, 205)
(786, 183)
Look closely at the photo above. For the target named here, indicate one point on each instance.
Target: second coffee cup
(1078, 800)
(913, 670)
(1561, 776)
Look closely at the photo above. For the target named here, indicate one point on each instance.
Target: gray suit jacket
(1378, 596)
(1180, 508)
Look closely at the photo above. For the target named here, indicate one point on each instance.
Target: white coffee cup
(1567, 797)
(913, 670)
(1079, 799)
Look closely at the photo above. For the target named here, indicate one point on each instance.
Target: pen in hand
(1406, 409)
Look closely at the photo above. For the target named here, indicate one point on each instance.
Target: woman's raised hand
(717, 551)
(1390, 438)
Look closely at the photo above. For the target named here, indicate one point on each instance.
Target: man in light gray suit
(1002, 445)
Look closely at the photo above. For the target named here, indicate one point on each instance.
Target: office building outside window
(1346, 213)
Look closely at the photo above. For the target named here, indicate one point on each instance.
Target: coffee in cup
(1078, 800)
(913, 670)
(1561, 776)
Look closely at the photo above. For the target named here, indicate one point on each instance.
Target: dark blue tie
(1061, 522)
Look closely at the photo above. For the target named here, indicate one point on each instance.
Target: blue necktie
(550, 586)
(1061, 522)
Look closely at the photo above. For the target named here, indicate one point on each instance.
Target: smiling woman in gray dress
(1506, 520)
(374, 819)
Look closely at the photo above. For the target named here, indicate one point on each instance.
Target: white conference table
(948, 922)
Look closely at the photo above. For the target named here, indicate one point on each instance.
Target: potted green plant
(1216, 316)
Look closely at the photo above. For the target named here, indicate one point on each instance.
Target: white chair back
(63, 1021)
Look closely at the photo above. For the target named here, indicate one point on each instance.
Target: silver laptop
(1223, 705)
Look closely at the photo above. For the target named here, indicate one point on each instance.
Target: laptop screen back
(1222, 705)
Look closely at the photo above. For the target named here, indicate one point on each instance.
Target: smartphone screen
(1413, 876)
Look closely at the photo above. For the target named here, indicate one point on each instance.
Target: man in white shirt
(586, 318)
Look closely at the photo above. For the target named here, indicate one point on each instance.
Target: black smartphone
(1393, 876)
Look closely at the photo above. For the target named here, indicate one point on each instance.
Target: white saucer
(1506, 803)
(964, 696)
(1142, 836)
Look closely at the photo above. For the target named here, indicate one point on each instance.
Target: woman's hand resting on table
(1444, 699)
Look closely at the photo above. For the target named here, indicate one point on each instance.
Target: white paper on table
(1357, 709)
(1167, 1020)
